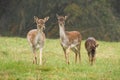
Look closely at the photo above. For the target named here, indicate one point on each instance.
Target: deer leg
(75, 58)
(92, 57)
(75, 51)
(35, 56)
(67, 55)
(91, 60)
(64, 49)
(78, 51)
(89, 57)
(40, 56)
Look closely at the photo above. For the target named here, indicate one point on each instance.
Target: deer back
(90, 44)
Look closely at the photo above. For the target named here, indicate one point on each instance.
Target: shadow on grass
(4, 53)
(44, 68)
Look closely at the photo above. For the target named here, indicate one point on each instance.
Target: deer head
(40, 22)
(61, 19)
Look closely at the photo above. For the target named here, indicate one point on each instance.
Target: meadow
(16, 62)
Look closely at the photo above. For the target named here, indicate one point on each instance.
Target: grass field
(16, 62)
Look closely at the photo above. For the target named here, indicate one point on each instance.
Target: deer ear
(35, 18)
(46, 18)
(66, 17)
(57, 16)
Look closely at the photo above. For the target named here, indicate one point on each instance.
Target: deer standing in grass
(36, 38)
(69, 40)
(90, 45)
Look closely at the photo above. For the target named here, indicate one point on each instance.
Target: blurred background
(97, 18)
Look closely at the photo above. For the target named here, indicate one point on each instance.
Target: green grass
(16, 62)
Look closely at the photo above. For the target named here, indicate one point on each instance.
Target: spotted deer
(90, 45)
(70, 40)
(36, 38)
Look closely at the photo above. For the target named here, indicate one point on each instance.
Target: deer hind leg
(91, 60)
(89, 56)
(78, 52)
(92, 57)
(75, 51)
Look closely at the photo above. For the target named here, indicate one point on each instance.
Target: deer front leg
(40, 56)
(67, 55)
(64, 49)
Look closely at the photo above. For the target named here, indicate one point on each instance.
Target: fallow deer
(36, 38)
(90, 45)
(69, 39)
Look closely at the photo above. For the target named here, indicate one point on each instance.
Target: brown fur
(73, 35)
(32, 34)
(36, 37)
(90, 45)
(69, 40)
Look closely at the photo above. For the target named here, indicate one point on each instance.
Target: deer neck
(39, 34)
(62, 31)
(40, 31)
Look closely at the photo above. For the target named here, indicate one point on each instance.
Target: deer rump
(90, 45)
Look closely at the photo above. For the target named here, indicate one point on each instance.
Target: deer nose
(38, 25)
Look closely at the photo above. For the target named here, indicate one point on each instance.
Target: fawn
(90, 45)
(69, 39)
(36, 38)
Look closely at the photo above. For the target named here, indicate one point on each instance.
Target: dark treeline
(98, 18)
